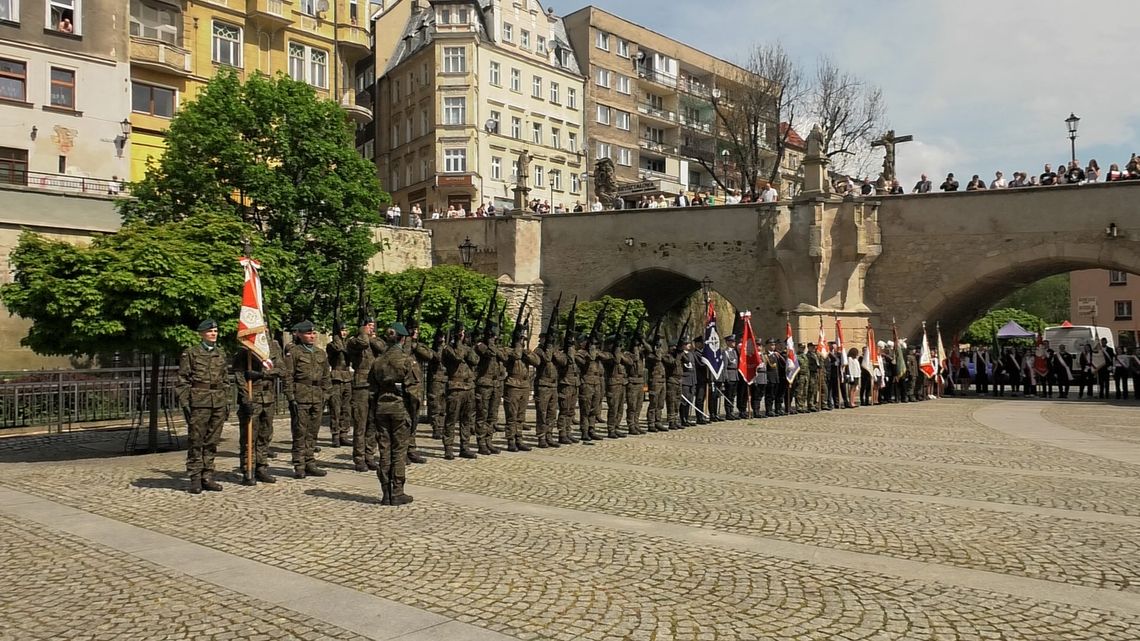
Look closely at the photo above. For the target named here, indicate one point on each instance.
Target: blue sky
(982, 84)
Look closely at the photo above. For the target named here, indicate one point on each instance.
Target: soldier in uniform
(834, 378)
(545, 392)
(418, 355)
(760, 385)
(340, 399)
(656, 416)
(362, 350)
(634, 389)
(257, 396)
(772, 398)
(689, 363)
(812, 369)
(590, 384)
(457, 359)
(203, 395)
(437, 386)
(486, 375)
(801, 383)
(701, 387)
(389, 377)
(913, 377)
(675, 386)
(565, 362)
(730, 380)
(517, 363)
(614, 362)
(307, 384)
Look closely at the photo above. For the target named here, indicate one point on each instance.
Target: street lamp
(706, 287)
(724, 154)
(1071, 122)
(467, 252)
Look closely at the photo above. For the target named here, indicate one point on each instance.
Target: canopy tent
(1013, 330)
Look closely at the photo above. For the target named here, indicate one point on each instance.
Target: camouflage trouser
(567, 404)
(262, 424)
(546, 411)
(514, 406)
(205, 432)
(918, 384)
(656, 415)
(340, 410)
(484, 406)
(634, 397)
(615, 402)
(801, 392)
(673, 402)
(589, 399)
(496, 400)
(813, 392)
(305, 426)
(461, 410)
(437, 406)
(412, 407)
(392, 447)
(363, 426)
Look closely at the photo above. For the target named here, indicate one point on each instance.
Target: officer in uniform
(437, 386)
(834, 374)
(457, 359)
(800, 391)
(568, 379)
(634, 389)
(516, 391)
(389, 377)
(204, 397)
(614, 362)
(340, 399)
(760, 385)
(773, 399)
(657, 416)
(418, 355)
(257, 396)
(362, 350)
(545, 393)
(730, 380)
(486, 375)
(307, 385)
(810, 370)
(689, 364)
(675, 386)
(703, 380)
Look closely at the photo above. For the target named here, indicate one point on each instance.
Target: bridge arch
(662, 289)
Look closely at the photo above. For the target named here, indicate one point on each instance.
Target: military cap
(366, 320)
(730, 337)
(399, 328)
(304, 327)
(698, 339)
(811, 344)
(207, 325)
(493, 329)
(337, 326)
(770, 341)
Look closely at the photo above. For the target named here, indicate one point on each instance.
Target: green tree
(269, 153)
(388, 293)
(981, 331)
(588, 311)
(1048, 298)
(142, 289)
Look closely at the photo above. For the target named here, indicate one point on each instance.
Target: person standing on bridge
(923, 186)
(950, 184)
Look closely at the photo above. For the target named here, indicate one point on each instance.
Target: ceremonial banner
(1040, 365)
(874, 358)
(711, 355)
(924, 362)
(793, 364)
(253, 333)
(940, 361)
(749, 350)
(900, 356)
(821, 345)
(839, 343)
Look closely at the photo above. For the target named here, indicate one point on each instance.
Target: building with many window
(464, 88)
(1112, 294)
(651, 105)
(64, 94)
(178, 45)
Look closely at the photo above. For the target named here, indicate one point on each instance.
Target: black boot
(399, 498)
(448, 454)
(209, 484)
(196, 484)
(311, 469)
(511, 447)
(385, 494)
(262, 474)
(298, 472)
(466, 453)
(416, 457)
(335, 440)
(522, 447)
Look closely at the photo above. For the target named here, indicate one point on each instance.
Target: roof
(794, 139)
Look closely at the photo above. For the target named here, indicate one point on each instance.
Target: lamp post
(724, 154)
(467, 252)
(583, 158)
(1071, 122)
(706, 287)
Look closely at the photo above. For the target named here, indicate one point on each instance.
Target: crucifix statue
(888, 142)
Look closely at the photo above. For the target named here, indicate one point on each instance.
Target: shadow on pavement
(346, 496)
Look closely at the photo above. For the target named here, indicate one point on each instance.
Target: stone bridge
(933, 257)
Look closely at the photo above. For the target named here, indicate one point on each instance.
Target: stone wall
(401, 248)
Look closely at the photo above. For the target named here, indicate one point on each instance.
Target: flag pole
(249, 472)
(787, 383)
(822, 394)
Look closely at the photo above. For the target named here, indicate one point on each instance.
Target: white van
(1075, 337)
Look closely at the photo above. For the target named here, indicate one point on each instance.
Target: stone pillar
(518, 239)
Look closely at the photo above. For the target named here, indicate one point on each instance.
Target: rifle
(399, 308)
(502, 318)
(552, 326)
(361, 299)
(485, 315)
(518, 332)
(657, 332)
(526, 329)
(417, 302)
(684, 331)
(598, 320)
(457, 319)
(621, 325)
(635, 338)
(571, 319)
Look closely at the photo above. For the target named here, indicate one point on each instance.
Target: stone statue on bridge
(521, 189)
(888, 143)
(605, 185)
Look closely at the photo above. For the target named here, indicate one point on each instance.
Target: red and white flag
(1040, 364)
(253, 333)
(821, 346)
(924, 362)
(839, 343)
(793, 363)
(874, 358)
(749, 350)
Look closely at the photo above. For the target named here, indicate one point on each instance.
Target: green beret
(304, 326)
(399, 328)
(207, 325)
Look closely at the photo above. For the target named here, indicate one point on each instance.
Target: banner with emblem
(711, 355)
(253, 333)
(749, 350)
(839, 343)
(793, 363)
(924, 363)
(1040, 364)
(821, 345)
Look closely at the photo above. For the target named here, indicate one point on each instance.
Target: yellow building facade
(177, 46)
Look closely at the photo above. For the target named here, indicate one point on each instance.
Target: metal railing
(61, 182)
(60, 399)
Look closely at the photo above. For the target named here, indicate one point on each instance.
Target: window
(556, 179)
(540, 45)
(623, 120)
(539, 175)
(603, 114)
(396, 90)
(554, 97)
(524, 38)
(536, 87)
(10, 10)
(408, 130)
(227, 44)
(575, 183)
(454, 160)
(454, 60)
(64, 16)
(516, 127)
(658, 103)
(622, 84)
(425, 167)
(603, 150)
(395, 176)
(395, 136)
(508, 32)
(622, 48)
(497, 118)
(13, 166)
(536, 132)
(602, 77)
(148, 99)
(425, 123)
(496, 75)
(496, 168)
(572, 141)
(514, 171)
(516, 80)
(307, 64)
(156, 21)
(354, 11)
(1117, 278)
(602, 41)
(63, 88)
(309, 7)
(655, 134)
(625, 157)
(562, 56)
(1123, 309)
(424, 80)
(556, 137)
(463, 17)
(572, 97)
(408, 177)
(13, 80)
(455, 111)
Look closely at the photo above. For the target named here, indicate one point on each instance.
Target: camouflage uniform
(564, 361)
(340, 398)
(516, 393)
(204, 394)
(634, 390)
(545, 397)
(589, 391)
(656, 416)
(307, 384)
(255, 412)
(457, 359)
(486, 400)
(614, 362)
(363, 349)
(389, 377)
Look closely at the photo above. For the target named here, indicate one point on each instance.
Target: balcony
(270, 13)
(160, 56)
(353, 40)
(658, 77)
(65, 183)
(696, 124)
(648, 110)
(359, 113)
(657, 146)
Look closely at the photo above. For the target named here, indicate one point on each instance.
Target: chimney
(493, 17)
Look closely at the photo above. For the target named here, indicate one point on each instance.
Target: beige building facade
(463, 90)
(650, 106)
(1115, 294)
(64, 94)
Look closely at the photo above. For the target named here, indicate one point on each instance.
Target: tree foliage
(268, 153)
(981, 331)
(587, 312)
(388, 292)
(144, 288)
(1048, 298)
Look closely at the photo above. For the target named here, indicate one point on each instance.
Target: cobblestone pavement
(1117, 422)
(716, 505)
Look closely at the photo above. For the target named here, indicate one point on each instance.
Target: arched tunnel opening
(674, 297)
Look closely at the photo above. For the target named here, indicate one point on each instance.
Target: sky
(982, 85)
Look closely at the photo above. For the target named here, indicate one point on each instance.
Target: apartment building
(466, 87)
(1112, 295)
(176, 46)
(651, 106)
(64, 93)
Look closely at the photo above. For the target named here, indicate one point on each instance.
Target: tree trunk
(152, 397)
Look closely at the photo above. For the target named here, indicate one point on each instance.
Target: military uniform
(634, 390)
(772, 397)
(591, 379)
(389, 378)
(545, 397)
(203, 393)
(458, 359)
(362, 350)
(801, 384)
(813, 368)
(730, 381)
(688, 360)
(516, 392)
(340, 397)
(418, 354)
(760, 387)
(486, 378)
(568, 379)
(656, 415)
(674, 388)
(701, 387)
(437, 389)
(257, 397)
(614, 361)
(308, 382)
